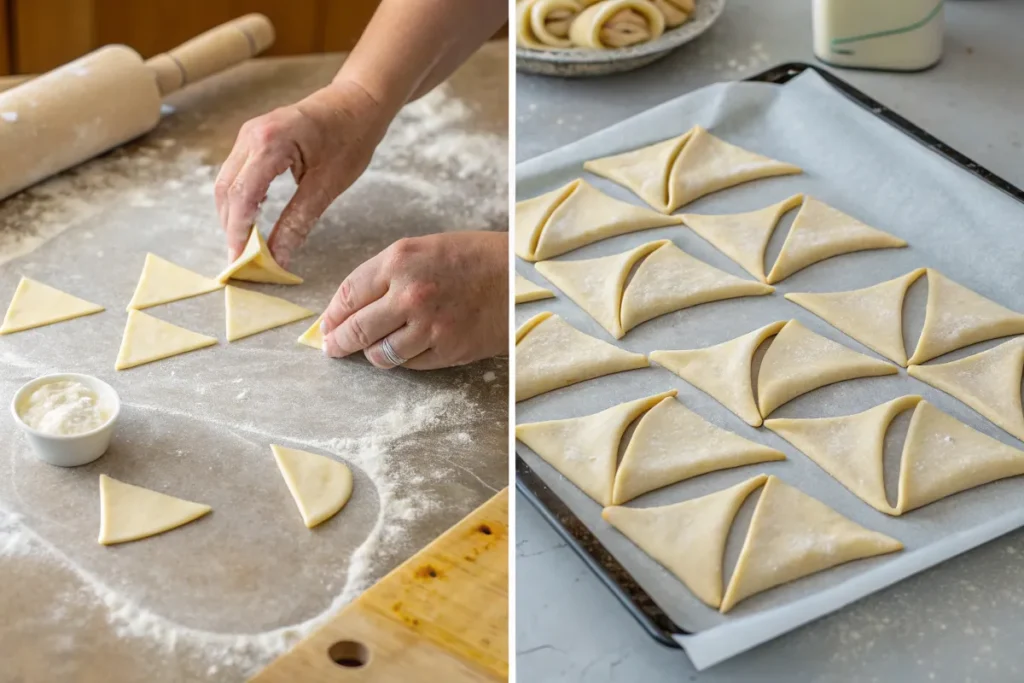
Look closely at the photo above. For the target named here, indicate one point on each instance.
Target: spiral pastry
(617, 23)
(676, 12)
(545, 23)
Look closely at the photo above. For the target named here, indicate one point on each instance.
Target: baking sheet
(953, 221)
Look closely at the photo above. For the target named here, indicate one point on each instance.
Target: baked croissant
(617, 23)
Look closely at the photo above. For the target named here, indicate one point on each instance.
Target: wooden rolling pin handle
(217, 49)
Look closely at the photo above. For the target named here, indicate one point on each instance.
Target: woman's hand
(439, 300)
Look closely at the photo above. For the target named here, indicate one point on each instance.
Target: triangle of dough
(943, 456)
(551, 354)
(644, 171)
(129, 513)
(320, 486)
(147, 339)
(312, 337)
(687, 538)
(531, 216)
(672, 443)
(743, 237)
(849, 448)
(257, 264)
(162, 282)
(723, 371)
(586, 449)
(989, 382)
(793, 535)
(35, 305)
(820, 232)
(249, 312)
(872, 315)
(956, 317)
(799, 361)
(526, 291)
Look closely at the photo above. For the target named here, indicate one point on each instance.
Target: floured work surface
(954, 223)
(218, 598)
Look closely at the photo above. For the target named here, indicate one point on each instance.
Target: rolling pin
(106, 98)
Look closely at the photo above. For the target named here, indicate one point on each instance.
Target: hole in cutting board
(349, 654)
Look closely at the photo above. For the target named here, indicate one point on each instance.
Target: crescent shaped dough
(526, 291)
(131, 513)
(617, 23)
(250, 313)
(147, 339)
(35, 305)
(524, 31)
(257, 264)
(687, 538)
(162, 282)
(319, 485)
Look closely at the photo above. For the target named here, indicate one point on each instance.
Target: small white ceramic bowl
(76, 449)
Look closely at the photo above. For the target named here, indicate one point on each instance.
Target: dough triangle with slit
(850, 448)
(672, 443)
(312, 337)
(723, 371)
(129, 513)
(147, 339)
(820, 232)
(249, 312)
(989, 382)
(644, 171)
(586, 449)
(943, 456)
(956, 317)
(743, 237)
(687, 538)
(320, 485)
(533, 214)
(35, 305)
(799, 361)
(162, 282)
(872, 315)
(526, 291)
(793, 535)
(551, 354)
(257, 264)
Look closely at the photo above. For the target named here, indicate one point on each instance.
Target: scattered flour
(9, 116)
(490, 377)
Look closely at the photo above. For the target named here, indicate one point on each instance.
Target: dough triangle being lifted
(162, 282)
(250, 313)
(35, 305)
(586, 449)
(526, 291)
(147, 339)
(671, 443)
(687, 538)
(319, 485)
(793, 535)
(130, 513)
(312, 337)
(257, 264)
(872, 315)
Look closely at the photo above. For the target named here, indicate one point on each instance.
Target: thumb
(308, 203)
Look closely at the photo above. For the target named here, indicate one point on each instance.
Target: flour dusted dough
(526, 291)
(130, 513)
(162, 282)
(551, 354)
(672, 443)
(723, 371)
(249, 312)
(820, 232)
(799, 361)
(872, 315)
(147, 339)
(313, 337)
(35, 305)
(793, 535)
(585, 449)
(533, 214)
(257, 264)
(956, 317)
(687, 538)
(617, 23)
(320, 486)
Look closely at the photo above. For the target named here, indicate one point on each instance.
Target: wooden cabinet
(5, 41)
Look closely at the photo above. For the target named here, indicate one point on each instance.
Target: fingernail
(323, 327)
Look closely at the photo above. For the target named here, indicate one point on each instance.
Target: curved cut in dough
(162, 282)
(872, 315)
(585, 449)
(672, 443)
(687, 538)
(130, 513)
(250, 313)
(526, 291)
(956, 317)
(799, 361)
(820, 232)
(35, 305)
(743, 237)
(533, 214)
(312, 337)
(147, 339)
(319, 485)
(551, 354)
(257, 264)
(617, 23)
(793, 535)
(989, 382)
(643, 171)
(723, 371)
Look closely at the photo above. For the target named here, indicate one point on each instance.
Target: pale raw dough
(793, 535)
(147, 339)
(989, 382)
(799, 361)
(644, 171)
(687, 538)
(257, 264)
(585, 449)
(526, 291)
(313, 337)
(162, 282)
(249, 312)
(676, 12)
(872, 315)
(820, 232)
(320, 485)
(35, 305)
(129, 513)
(743, 237)
(544, 24)
(551, 354)
(617, 23)
(723, 371)
(671, 443)
(532, 215)
(956, 317)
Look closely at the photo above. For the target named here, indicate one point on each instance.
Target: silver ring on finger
(390, 354)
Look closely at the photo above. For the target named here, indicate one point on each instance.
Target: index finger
(363, 286)
(247, 192)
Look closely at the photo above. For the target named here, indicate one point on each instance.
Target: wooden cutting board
(440, 616)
